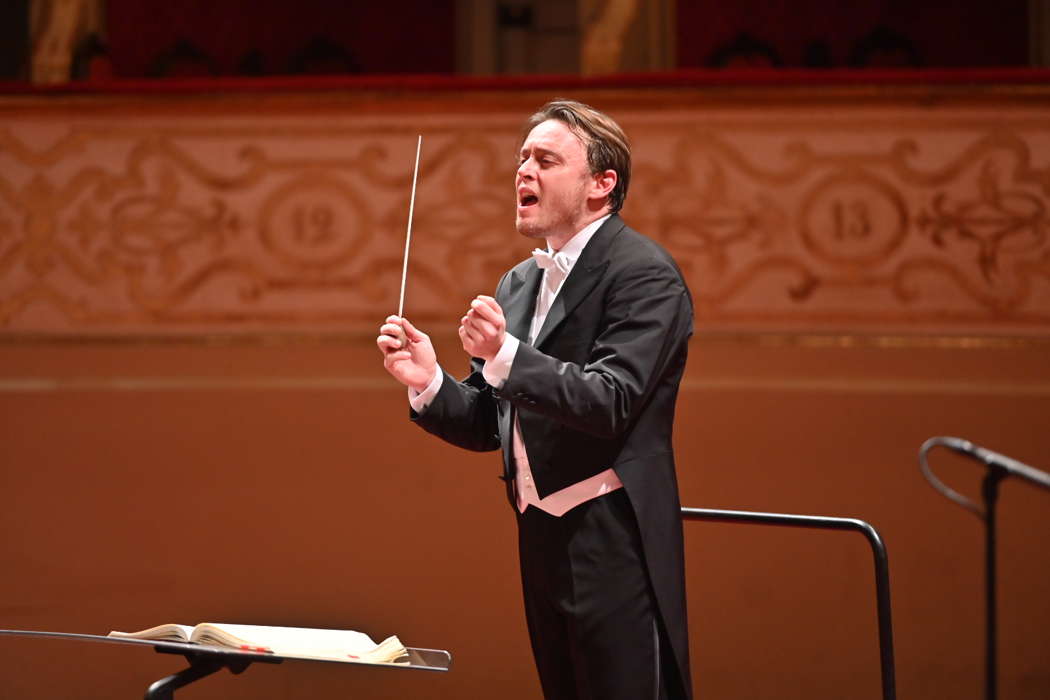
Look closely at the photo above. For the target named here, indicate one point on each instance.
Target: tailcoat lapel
(520, 303)
(586, 273)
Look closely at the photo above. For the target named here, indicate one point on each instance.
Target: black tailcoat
(596, 390)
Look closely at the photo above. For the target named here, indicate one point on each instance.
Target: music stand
(206, 659)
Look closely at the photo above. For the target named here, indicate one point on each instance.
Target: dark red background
(419, 37)
(407, 36)
(968, 33)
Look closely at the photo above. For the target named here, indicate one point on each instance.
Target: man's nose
(526, 169)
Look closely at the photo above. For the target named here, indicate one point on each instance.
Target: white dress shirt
(498, 369)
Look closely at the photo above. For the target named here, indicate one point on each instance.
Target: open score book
(332, 645)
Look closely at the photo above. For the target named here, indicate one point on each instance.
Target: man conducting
(575, 366)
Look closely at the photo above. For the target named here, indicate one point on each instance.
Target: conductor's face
(553, 184)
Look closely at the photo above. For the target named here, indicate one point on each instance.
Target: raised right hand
(413, 365)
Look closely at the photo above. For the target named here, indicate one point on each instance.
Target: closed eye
(544, 159)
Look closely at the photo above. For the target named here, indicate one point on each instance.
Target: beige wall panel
(892, 215)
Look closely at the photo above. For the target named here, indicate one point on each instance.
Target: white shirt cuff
(497, 371)
(419, 400)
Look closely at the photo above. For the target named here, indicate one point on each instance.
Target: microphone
(994, 459)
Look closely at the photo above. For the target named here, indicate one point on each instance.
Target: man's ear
(603, 184)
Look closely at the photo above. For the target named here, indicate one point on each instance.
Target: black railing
(878, 549)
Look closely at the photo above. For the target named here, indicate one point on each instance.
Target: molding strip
(843, 385)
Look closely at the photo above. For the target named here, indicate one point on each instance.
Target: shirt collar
(572, 250)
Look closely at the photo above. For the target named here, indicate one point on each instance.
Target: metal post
(990, 491)
(165, 688)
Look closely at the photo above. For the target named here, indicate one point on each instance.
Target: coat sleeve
(464, 413)
(647, 320)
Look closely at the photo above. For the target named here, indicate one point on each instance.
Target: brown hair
(607, 145)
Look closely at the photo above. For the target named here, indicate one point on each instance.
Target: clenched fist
(483, 328)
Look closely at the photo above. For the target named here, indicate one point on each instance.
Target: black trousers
(591, 613)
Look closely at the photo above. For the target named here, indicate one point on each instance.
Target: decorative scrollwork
(856, 243)
(111, 228)
(995, 223)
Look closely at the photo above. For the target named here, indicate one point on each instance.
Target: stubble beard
(529, 229)
(554, 221)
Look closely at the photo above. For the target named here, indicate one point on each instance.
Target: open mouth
(527, 200)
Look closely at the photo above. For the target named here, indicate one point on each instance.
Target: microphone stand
(990, 492)
(999, 468)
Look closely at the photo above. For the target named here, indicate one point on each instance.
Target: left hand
(483, 329)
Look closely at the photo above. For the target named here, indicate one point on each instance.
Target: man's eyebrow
(540, 150)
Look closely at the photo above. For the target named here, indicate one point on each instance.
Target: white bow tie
(547, 261)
